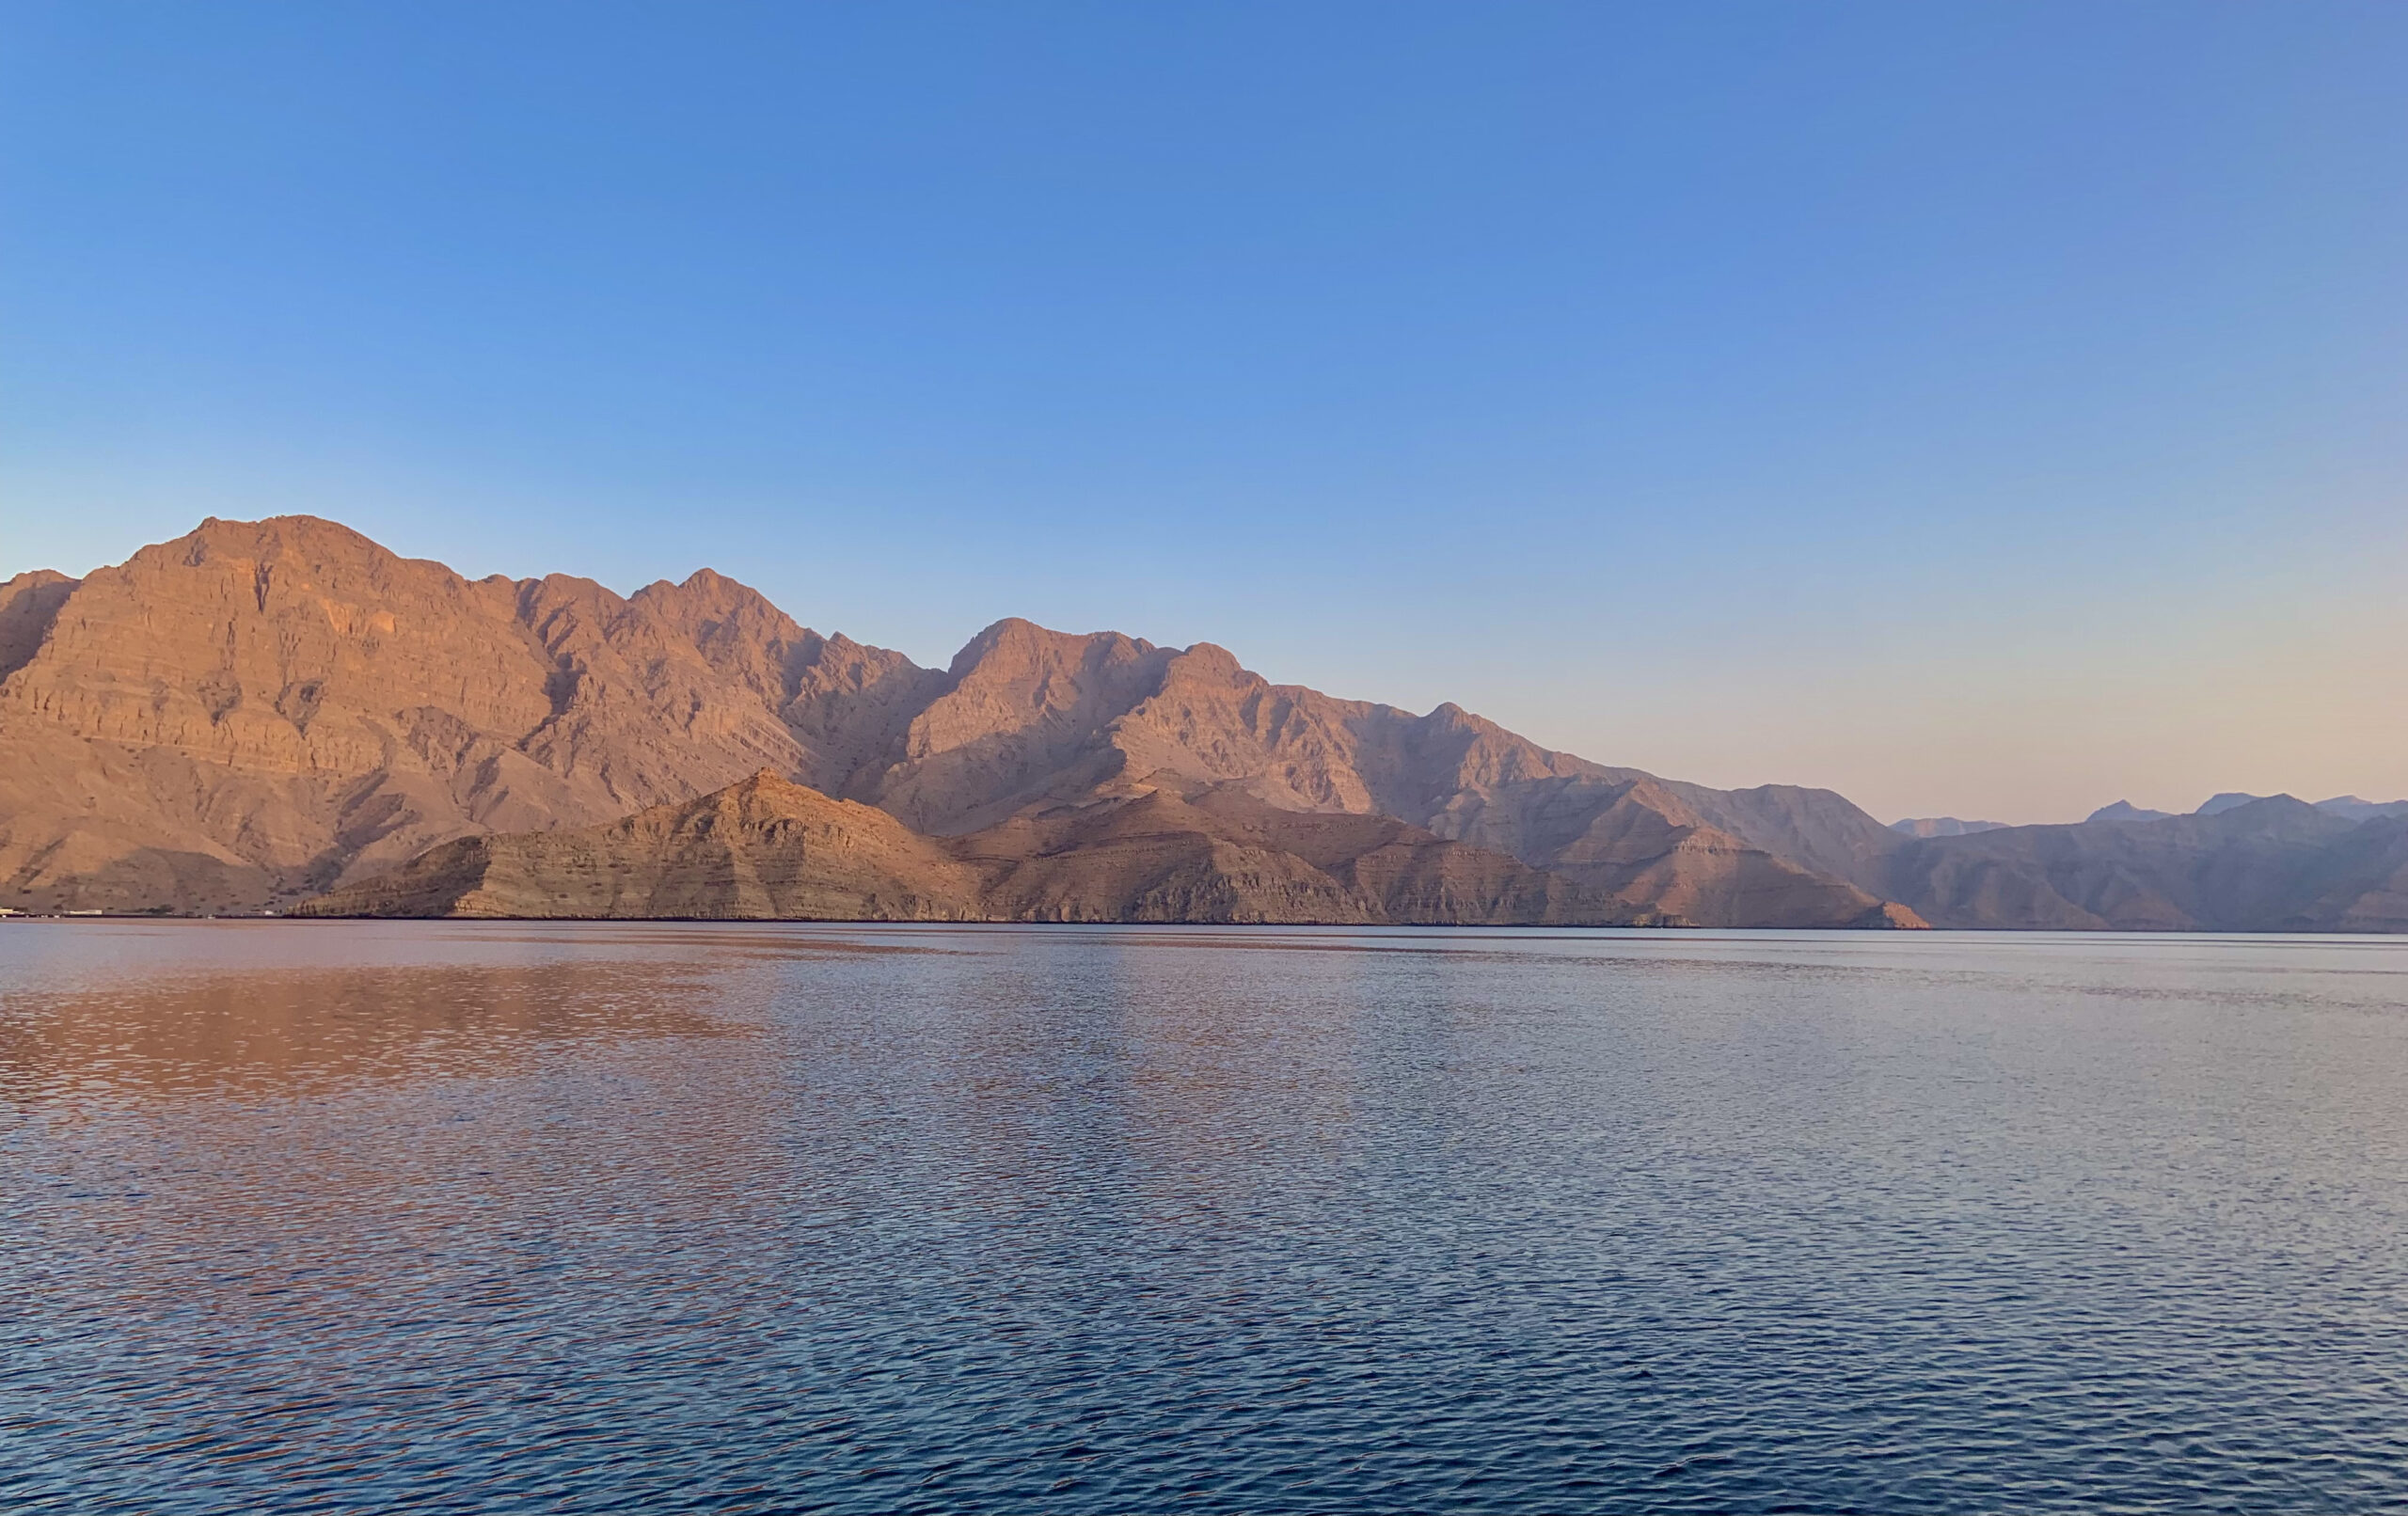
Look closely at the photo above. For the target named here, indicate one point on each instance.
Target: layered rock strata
(768, 849)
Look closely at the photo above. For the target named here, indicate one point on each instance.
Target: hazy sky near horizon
(1986, 410)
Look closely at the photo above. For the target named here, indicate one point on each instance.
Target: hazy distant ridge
(1941, 826)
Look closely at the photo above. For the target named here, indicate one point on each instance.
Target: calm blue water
(307, 1216)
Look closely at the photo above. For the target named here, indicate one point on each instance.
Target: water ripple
(330, 1216)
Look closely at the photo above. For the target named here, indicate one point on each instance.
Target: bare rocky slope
(768, 848)
(260, 712)
(762, 848)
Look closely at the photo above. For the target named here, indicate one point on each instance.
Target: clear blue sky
(1993, 409)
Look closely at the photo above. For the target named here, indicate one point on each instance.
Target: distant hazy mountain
(2350, 807)
(262, 712)
(2127, 810)
(1941, 826)
(2275, 864)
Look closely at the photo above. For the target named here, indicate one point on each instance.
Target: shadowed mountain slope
(761, 850)
(28, 605)
(1216, 853)
(768, 849)
(2273, 864)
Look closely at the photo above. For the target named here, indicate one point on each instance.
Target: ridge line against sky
(1988, 413)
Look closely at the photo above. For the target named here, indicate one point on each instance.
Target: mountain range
(260, 715)
(1943, 827)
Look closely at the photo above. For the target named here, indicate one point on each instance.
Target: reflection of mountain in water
(312, 1027)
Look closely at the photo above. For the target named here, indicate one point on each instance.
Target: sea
(309, 1216)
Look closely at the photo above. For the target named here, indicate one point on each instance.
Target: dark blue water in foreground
(306, 1216)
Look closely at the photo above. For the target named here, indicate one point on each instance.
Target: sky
(1986, 410)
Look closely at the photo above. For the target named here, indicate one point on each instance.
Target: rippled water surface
(309, 1216)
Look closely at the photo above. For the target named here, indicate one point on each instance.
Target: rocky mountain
(2275, 864)
(260, 712)
(264, 710)
(2350, 807)
(2127, 810)
(1943, 827)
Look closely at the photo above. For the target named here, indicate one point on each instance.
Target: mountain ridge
(1944, 826)
(260, 712)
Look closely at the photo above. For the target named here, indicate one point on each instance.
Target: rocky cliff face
(28, 603)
